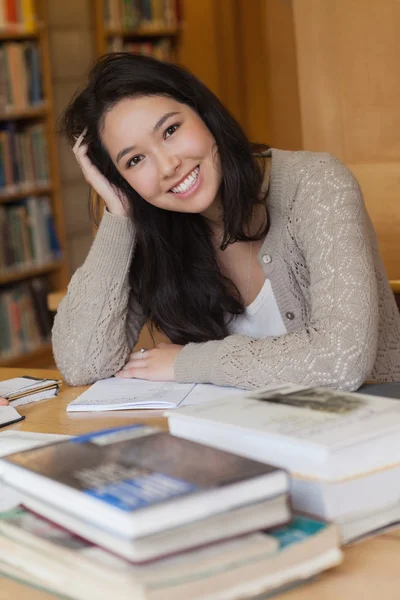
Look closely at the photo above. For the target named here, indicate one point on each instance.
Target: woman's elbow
(352, 378)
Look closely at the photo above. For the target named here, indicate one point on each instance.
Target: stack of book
(26, 389)
(342, 450)
(153, 516)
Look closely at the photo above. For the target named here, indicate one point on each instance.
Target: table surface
(370, 569)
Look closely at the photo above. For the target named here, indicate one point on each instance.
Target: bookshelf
(147, 27)
(32, 239)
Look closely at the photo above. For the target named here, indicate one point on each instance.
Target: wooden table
(370, 570)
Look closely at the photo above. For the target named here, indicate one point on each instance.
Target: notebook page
(121, 394)
(206, 392)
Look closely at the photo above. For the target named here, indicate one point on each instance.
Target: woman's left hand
(156, 364)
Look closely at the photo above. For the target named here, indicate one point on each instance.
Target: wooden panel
(230, 57)
(253, 69)
(198, 43)
(280, 72)
(349, 85)
(347, 53)
(318, 74)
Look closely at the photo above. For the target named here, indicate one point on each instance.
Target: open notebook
(122, 394)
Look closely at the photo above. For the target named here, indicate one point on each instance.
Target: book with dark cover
(141, 467)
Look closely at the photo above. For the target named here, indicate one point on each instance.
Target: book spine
(11, 14)
(3, 16)
(28, 16)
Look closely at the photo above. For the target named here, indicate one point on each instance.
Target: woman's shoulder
(304, 165)
(299, 177)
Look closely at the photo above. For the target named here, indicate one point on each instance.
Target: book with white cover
(229, 524)
(117, 393)
(252, 565)
(342, 449)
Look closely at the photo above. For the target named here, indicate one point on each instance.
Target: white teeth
(187, 183)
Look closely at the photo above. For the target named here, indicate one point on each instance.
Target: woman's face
(165, 152)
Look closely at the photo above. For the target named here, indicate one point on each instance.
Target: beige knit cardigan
(322, 259)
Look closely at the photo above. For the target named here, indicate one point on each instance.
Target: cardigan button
(289, 315)
(267, 258)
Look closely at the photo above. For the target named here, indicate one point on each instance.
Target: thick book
(257, 564)
(138, 480)
(342, 449)
(216, 528)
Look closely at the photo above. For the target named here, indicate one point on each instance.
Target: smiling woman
(260, 265)
(163, 163)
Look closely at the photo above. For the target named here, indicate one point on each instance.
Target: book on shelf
(139, 480)
(24, 161)
(137, 14)
(342, 449)
(28, 235)
(21, 84)
(17, 16)
(160, 49)
(25, 321)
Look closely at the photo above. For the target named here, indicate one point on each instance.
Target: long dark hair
(174, 272)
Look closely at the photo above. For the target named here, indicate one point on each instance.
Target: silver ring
(142, 351)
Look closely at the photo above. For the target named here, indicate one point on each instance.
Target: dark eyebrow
(161, 122)
(157, 126)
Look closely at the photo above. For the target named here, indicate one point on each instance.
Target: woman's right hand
(99, 183)
(3, 402)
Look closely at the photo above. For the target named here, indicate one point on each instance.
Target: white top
(261, 318)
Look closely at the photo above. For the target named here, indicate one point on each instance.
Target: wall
(349, 88)
(245, 52)
(71, 52)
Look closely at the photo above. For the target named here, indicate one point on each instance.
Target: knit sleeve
(98, 321)
(337, 347)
